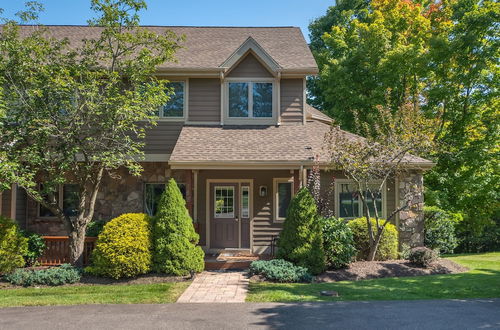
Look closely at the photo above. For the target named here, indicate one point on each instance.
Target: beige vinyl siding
(292, 100)
(162, 138)
(249, 67)
(204, 100)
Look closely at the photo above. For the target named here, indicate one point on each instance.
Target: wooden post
(189, 191)
(296, 181)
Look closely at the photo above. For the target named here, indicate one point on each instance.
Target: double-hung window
(176, 105)
(250, 99)
(283, 193)
(349, 204)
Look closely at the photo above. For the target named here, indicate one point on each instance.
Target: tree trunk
(374, 245)
(76, 244)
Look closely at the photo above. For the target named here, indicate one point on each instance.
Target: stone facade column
(411, 218)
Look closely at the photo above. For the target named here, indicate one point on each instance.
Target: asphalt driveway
(429, 314)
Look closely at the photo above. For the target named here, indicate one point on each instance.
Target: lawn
(94, 294)
(482, 281)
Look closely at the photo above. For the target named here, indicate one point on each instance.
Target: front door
(224, 224)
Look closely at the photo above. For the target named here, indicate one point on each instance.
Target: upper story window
(250, 99)
(176, 105)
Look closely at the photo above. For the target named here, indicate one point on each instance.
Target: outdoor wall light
(263, 191)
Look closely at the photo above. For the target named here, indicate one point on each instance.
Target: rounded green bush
(174, 237)
(422, 256)
(36, 247)
(338, 243)
(388, 247)
(440, 229)
(123, 248)
(279, 270)
(64, 274)
(13, 246)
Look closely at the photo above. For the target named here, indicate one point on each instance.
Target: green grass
(94, 294)
(482, 281)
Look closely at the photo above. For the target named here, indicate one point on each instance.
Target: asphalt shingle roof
(209, 47)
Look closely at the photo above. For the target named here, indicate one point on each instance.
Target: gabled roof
(206, 48)
(250, 45)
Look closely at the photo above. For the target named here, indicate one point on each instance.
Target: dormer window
(176, 105)
(250, 100)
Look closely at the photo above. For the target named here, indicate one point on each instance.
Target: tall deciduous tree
(73, 112)
(385, 153)
(442, 55)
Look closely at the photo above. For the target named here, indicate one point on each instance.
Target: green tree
(174, 238)
(77, 112)
(301, 240)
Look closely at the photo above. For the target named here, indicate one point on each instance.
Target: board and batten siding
(161, 139)
(292, 100)
(5, 200)
(249, 67)
(204, 100)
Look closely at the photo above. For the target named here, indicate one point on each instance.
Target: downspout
(222, 101)
(195, 197)
(278, 96)
(301, 176)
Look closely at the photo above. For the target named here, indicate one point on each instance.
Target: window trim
(250, 119)
(276, 181)
(186, 103)
(247, 188)
(339, 182)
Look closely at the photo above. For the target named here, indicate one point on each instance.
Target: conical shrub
(301, 240)
(174, 238)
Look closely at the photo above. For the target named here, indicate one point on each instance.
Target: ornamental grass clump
(123, 248)
(301, 240)
(174, 239)
(13, 246)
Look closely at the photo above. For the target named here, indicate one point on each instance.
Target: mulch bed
(87, 280)
(363, 270)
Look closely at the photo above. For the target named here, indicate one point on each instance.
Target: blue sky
(192, 12)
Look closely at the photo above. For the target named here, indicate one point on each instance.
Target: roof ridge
(182, 26)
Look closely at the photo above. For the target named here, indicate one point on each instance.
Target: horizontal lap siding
(204, 100)
(162, 138)
(249, 67)
(292, 100)
(264, 228)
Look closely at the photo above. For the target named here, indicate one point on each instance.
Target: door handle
(236, 219)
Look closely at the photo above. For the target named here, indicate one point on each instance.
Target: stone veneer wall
(411, 220)
(122, 193)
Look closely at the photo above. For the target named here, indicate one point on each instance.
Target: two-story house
(237, 136)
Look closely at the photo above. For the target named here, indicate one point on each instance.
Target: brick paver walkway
(218, 287)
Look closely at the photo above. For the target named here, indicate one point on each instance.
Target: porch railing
(57, 250)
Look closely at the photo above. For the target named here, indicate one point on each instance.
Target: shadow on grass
(438, 314)
(480, 283)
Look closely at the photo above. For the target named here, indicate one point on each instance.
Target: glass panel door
(224, 202)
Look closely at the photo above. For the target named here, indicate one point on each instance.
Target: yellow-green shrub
(13, 245)
(388, 247)
(123, 248)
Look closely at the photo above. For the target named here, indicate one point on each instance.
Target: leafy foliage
(440, 55)
(422, 256)
(94, 99)
(388, 246)
(338, 243)
(487, 239)
(301, 240)
(174, 237)
(36, 247)
(64, 274)
(279, 270)
(123, 248)
(440, 227)
(94, 228)
(13, 245)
